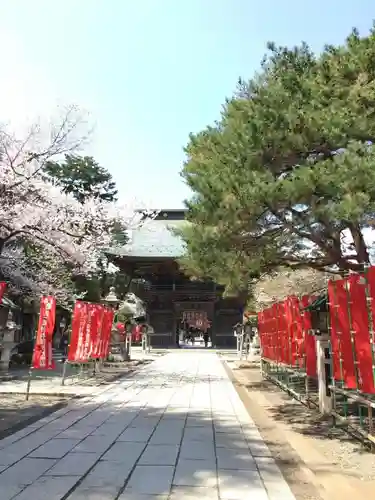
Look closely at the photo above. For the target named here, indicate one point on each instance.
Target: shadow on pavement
(127, 443)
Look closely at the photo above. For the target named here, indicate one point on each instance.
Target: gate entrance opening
(195, 329)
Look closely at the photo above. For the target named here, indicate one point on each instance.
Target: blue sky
(149, 72)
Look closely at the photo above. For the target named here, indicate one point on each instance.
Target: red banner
(296, 332)
(343, 363)
(265, 334)
(283, 333)
(360, 325)
(96, 330)
(78, 348)
(262, 339)
(3, 287)
(86, 337)
(274, 332)
(371, 290)
(335, 339)
(309, 340)
(42, 356)
(137, 333)
(108, 316)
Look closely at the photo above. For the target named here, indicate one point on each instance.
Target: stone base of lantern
(7, 344)
(118, 352)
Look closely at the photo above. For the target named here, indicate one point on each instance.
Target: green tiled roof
(319, 304)
(154, 239)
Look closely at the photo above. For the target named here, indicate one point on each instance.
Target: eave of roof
(5, 302)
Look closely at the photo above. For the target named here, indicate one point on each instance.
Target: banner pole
(64, 373)
(31, 369)
(29, 383)
(42, 357)
(65, 363)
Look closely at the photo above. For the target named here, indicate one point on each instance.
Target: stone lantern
(111, 299)
(7, 341)
(117, 343)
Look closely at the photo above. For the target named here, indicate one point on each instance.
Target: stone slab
(48, 488)
(200, 473)
(151, 480)
(194, 493)
(241, 485)
(74, 464)
(126, 453)
(162, 454)
(55, 448)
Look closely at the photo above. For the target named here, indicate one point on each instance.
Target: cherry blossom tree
(277, 285)
(47, 235)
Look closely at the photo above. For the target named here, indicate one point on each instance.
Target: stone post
(144, 342)
(255, 345)
(323, 369)
(128, 346)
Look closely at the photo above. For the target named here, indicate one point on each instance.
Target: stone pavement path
(177, 430)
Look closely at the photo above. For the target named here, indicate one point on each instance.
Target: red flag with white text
(96, 330)
(78, 348)
(106, 331)
(42, 356)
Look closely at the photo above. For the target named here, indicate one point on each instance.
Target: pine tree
(286, 177)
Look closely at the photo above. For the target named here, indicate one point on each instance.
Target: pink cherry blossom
(63, 231)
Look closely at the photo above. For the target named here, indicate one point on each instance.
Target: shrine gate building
(151, 254)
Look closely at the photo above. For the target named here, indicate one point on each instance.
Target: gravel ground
(344, 457)
(16, 412)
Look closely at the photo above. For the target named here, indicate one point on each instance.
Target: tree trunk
(359, 244)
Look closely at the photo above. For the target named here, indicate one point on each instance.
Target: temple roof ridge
(155, 237)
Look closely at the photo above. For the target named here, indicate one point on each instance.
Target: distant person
(206, 337)
(192, 335)
(178, 336)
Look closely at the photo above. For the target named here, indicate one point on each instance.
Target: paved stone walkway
(177, 430)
